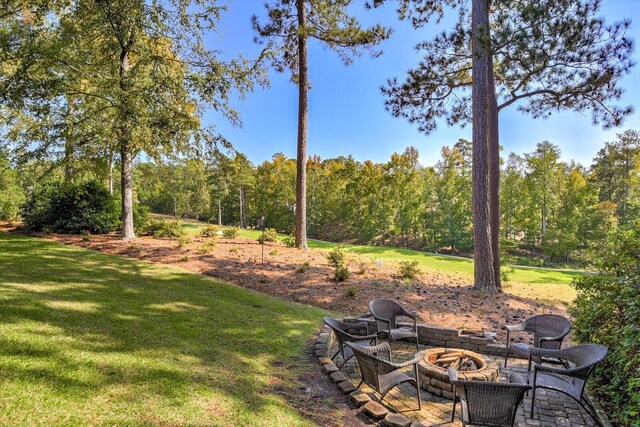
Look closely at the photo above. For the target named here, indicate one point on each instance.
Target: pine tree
(542, 56)
(290, 24)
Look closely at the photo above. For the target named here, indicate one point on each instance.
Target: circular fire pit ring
(434, 363)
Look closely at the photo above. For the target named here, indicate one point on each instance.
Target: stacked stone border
(427, 335)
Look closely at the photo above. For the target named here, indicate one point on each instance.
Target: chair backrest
(548, 325)
(384, 309)
(584, 358)
(369, 363)
(340, 329)
(490, 403)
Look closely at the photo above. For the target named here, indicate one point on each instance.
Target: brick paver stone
(375, 410)
(338, 377)
(359, 398)
(396, 420)
(346, 386)
(329, 368)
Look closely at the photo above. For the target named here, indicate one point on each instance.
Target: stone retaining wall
(441, 337)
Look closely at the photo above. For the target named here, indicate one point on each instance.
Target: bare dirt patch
(440, 298)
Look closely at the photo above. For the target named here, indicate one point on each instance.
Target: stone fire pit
(434, 364)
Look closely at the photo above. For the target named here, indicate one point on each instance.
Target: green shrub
(341, 273)
(230, 233)
(165, 228)
(140, 218)
(607, 312)
(209, 231)
(351, 292)
(184, 240)
(303, 268)
(409, 269)
(289, 241)
(336, 257)
(71, 208)
(208, 246)
(269, 235)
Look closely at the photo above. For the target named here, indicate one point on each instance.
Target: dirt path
(442, 299)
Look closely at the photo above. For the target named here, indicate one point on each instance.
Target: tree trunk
(110, 171)
(484, 274)
(126, 154)
(68, 143)
(301, 169)
(494, 170)
(219, 212)
(241, 208)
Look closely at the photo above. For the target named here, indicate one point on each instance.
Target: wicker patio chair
(385, 312)
(340, 331)
(486, 403)
(548, 332)
(572, 380)
(382, 375)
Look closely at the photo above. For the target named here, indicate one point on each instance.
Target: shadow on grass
(76, 324)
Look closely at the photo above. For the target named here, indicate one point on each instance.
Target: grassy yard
(536, 283)
(92, 339)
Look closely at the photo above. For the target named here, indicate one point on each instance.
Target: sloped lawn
(93, 339)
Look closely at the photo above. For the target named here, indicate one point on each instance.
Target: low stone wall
(442, 337)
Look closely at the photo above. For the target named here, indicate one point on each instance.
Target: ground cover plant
(98, 339)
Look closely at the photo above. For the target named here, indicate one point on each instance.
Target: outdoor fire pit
(434, 365)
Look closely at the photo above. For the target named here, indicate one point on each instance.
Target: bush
(165, 228)
(289, 241)
(341, 273)
(607, 312)
(183, 241)
(269, 235)
(230, 233)
(303, 268)
(351, 292)
(409, 269)
(71, 208)
(336, 257)
(140, 218)
(209, 231)
(208, 246)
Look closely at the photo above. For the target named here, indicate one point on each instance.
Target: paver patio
(552, 409)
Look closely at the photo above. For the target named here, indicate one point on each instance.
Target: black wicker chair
(486, 403)
(340, 331)
(548, 332)
(570, 381)
(382, 375)
(385, 312)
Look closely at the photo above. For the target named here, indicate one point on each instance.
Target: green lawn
(93, 339)
(543, 284)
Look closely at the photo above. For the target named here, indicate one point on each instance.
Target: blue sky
(346, 109)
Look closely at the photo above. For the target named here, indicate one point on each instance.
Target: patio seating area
(551, 409)
(420, 384)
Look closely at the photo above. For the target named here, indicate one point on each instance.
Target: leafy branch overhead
(549, 55)
(326, 21)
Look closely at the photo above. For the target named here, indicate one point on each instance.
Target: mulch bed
(440, 298)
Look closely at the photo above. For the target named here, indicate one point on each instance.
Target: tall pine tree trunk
(494, 170)
(126, 153)
(68, 142)
(110, 171)
(484, 274)
(219, 212)
(301, 170)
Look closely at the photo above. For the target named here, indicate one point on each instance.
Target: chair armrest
(515, 328)
(516, 379)
(541, 352)
(404, 364)
(410, 314)
(382, 319)
(375, 349)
